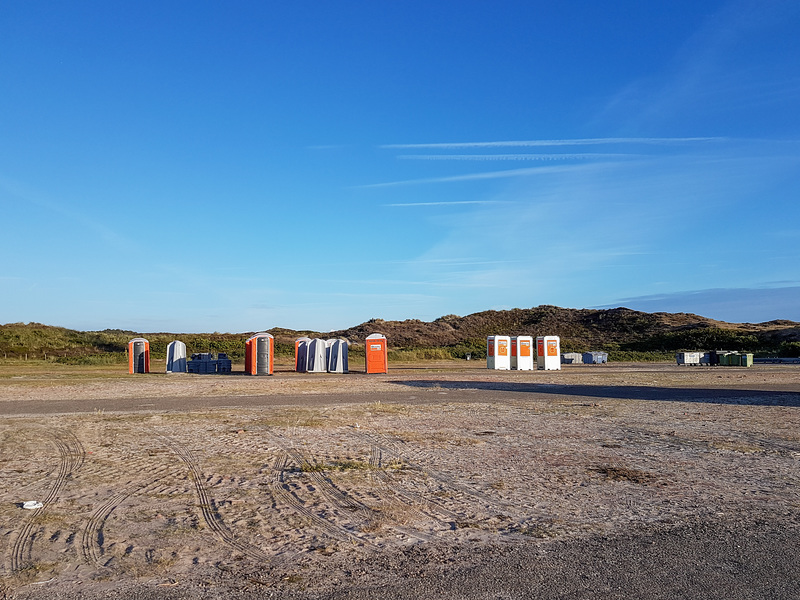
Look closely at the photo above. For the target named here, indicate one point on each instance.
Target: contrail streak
(444, 203)
(575, 142)
(493, 157)
(478, 176)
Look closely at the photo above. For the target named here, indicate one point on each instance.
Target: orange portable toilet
(138, 356)
(258, 354)
(377, 354)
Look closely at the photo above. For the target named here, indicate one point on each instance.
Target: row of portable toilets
(320, 356)
(504, 352)
(723, 358)
(311, 356)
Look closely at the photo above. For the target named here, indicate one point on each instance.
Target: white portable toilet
(316, 356)
(522, 353)
(301, 354)
(337, 356)
(498, 352)
(548, 352)
(176, 357)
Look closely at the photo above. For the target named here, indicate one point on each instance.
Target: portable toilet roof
(376, 353)
(317, 362)
(176, 357)
(336, 351)
(259, 354)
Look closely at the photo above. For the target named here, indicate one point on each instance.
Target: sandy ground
(443, 480)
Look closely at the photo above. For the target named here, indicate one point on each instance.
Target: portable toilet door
(548, 353)
(176, 357)
(301, 354)
(138, 356)
(258, 354)
(513, 352)
(524, 353)
(337, 356)
(316, 356)
(376, 354)
(498, 352)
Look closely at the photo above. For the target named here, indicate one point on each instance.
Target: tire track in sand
(92, 538)
(281, 491)
(412, 499)
(71, 457)
(209, 509)
(399, 450)
(366, 516)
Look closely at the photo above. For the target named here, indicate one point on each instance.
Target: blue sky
(206, 166)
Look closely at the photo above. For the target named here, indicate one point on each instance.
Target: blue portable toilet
(337, 356)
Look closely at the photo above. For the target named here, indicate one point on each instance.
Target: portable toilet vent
(176, 357)
(301, 354)
(548, 353)
(258, 354)
(522, 353)
(138, 356)
(337, 356)
(376, 354)
(317, 362)
(498, 352)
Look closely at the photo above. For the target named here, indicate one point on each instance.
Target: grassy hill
(626, 334)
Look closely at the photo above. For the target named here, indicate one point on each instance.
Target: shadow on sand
(661, 394)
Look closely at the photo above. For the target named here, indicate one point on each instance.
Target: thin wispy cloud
(453, 262)
(564, 142)
(328, 147)
(736, 304)
(475, 176)
(26, 193)
(454, 203)
(493, 157)
(400, 283)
